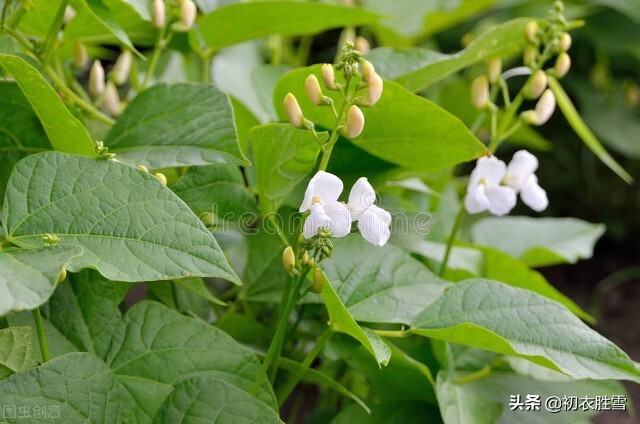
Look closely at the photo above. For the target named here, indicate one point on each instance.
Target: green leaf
(217, 189)
(382, 285)
(176, 125)
(65, 132)
(130, 227)
(496, 317)
(341, 321)
(197, 286)
(458, 406)
(402, 128)
(77, 387)
(405, 412)
(418, 68)
(29, 276)
(196, 398)
(15, 350)
(283, 157)
(539, 241)
(578, 125)
(240, 22)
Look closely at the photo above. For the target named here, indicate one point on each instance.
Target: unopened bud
(530, 55)
(480, 92)
(188, 13)
(531, 31)
(362, 45)
(161, 177)
(96, 78)
(564, 43)
(305, 258)
(536, 85)
(328, 76)
(494, 69)
(312, 87)
(143, 168)
(318, 281)
(374, 92)
(120, 72)
(543, 111)
(563, 63)
(63, 275)
(159, 14)
(293, 111)
(69, 13)
(355, 122)
(288, 260)
(368, 71)
(80, 56)
(111, 100)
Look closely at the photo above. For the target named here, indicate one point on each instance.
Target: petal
(533, 195)
(340, 218)
(361, 196)
(308, 196)
(327, 186)
(520, 168)
(316, 220)
(491, 169)
(476, 200)
(374, 226)
(501, 199)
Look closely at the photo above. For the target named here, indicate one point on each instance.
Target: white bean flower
(484, 191)
(521, 178)
(321, 198)
(373, 221)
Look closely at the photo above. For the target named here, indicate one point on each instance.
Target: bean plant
(242, 212)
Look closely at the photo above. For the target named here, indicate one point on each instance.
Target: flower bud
(293, 111)
(288, 259)
(368, 71)
(96, 78)
(111, 100)
(312, 87)
(80, 56)
(374, 91)
(161, 177)
(143, 168)
(69, 13)
(305, 258)
(531, 31)
(564, 43)
(159, 14)
(563, 63)
(121, 69)
(530, 55)
(318, 281)
(362, 45)
(355, 122)
(543, 110)
(536, 85)
(494, 69)
(188, 12)
(480, 92)
(328, 76)
(63, 275)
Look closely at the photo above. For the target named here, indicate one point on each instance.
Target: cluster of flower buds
(493, 185)
(105, 90)
(188, 13)
(304, 262)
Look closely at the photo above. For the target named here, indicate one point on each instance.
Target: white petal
(374, 226)
(340, 218)
(520, 168)
(361, 196)
(308, 196)
(327, 186)
(491, 169)
(501, 199)
(476, 200)
(533, 195)
(316, 220)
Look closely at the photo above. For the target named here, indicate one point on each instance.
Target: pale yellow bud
(536, 85)
(564, 43)
(362, 45)
(120, 72)
(480, 92)
(80, 56)
(530, 55)
(318, 281)
(355, 122)
(62, 276)
(188, 13)
(143, 168)
(161, 177)
(288, 259)
(543, 110)
(293, 111)
(328, 76)
(159, 14)
(563, 63)
(111, 100)
(494, 69)
(96, 78)
(312, 87)
(374, 91)
(531, 30)
(368, 71)
(305, 258)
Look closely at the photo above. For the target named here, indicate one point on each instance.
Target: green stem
(37, 317)
(328, 149)
(452, 237)
(304, 366)
(161, 41)
(477, 375)
(52, 35)
(272, 220)
(393, 334)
